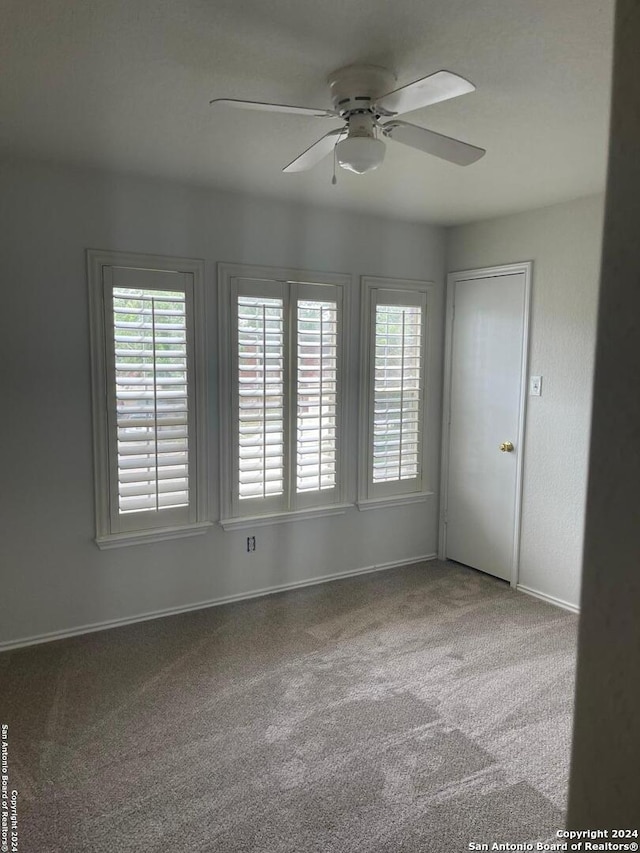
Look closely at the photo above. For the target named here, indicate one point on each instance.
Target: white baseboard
(203, 605)
(550, 599)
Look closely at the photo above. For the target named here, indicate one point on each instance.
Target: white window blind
(284, 384)
(261, 392)
(397, 392)
(317, 388)
(148, 377)
(152, 411)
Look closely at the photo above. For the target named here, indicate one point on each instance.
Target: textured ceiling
(125, 84)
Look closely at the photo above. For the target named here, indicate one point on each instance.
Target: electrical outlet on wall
(251, 543)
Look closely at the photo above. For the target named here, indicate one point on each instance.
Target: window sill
(396, 500)
(283, 517)
(140, 537)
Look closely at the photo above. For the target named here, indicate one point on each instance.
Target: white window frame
(283, 282)
(379, 495)
(159, 525)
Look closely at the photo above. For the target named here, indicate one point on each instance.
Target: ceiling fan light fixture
(360, 154)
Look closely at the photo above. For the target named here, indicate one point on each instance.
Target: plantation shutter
(150, 385)
(316, 393)
(286, 365)
(397, 391)
(260, 400)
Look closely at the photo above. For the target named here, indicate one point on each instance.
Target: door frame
(453, 278)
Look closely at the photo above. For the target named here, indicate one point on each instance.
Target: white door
(488, 348)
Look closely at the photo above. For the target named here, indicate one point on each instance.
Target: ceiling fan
(364, 98)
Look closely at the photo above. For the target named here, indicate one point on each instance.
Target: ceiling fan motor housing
(356, 88)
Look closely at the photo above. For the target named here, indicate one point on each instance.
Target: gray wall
(563, 242)
(54, 578)
(604, 789)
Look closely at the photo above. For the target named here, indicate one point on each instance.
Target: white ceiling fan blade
(315, 152)
(272, 108)
(434, 143)
(429, 90)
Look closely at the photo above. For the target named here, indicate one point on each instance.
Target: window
(148, 397)
(393, 409)
(282, 384)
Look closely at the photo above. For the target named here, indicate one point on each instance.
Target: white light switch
(535, 386)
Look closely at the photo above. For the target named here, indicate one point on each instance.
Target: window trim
(370, 497)
(97, 261)
(228, 274)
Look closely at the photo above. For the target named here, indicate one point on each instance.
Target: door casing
(525, 267)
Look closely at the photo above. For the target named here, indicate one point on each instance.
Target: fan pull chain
(334, 180)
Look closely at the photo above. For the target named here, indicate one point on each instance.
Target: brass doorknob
(506, 447)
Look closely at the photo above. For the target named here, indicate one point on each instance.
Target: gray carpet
(416, 709)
